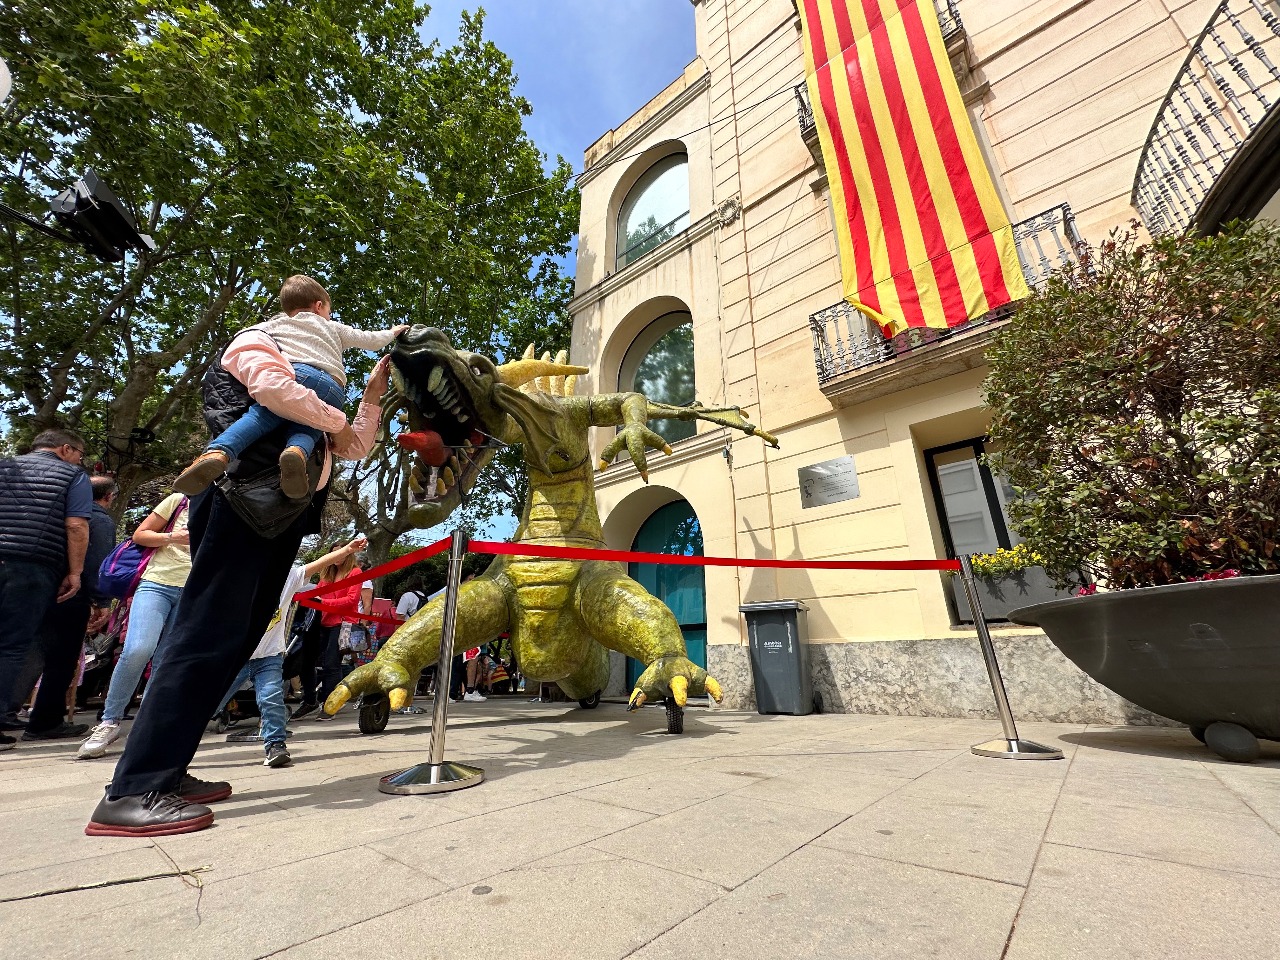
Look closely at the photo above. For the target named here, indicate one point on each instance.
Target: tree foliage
(1136, 404)
(254, 139)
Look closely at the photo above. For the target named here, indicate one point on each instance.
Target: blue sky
(584, 65)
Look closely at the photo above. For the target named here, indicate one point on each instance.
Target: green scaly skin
(563, 615)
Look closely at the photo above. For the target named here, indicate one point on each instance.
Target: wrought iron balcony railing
(952, 28)
(1226, 87)
(948, 19)
(845, 340)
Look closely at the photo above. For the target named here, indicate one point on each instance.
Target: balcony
(857, 362)
(1213, 152)
(953, 36)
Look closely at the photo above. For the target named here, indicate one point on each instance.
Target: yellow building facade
(708, 272)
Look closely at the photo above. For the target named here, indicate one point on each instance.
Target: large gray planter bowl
(1206, 654)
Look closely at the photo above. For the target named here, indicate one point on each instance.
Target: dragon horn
(543, 382)
(519, 372)
(557, 383)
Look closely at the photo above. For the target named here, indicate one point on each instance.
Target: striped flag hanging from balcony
(924, 240)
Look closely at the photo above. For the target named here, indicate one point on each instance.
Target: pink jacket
(255, 360)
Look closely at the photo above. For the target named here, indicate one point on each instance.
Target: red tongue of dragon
(427, 444)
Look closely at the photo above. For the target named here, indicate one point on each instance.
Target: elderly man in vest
(62, 637)
(45, 505)
(237, 574)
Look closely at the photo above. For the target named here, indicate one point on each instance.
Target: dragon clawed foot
(676, 677)
(389, 677)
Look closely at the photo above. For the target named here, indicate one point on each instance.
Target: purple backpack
(121, 572)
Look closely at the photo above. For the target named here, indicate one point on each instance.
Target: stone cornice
(681, 242)
(646, 129)
(623, 470)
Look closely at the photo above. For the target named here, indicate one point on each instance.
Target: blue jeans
(151, 617)
(258, 421)
(27, 592)
(267, 674)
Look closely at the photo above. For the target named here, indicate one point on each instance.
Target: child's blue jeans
(258, 421)
(267, 674)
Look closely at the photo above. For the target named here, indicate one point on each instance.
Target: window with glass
(656, 209)
(660, 365)
(973, 503)
(674, 529)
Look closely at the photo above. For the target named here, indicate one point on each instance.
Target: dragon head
(460, 407)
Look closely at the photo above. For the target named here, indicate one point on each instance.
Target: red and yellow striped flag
(924, 240)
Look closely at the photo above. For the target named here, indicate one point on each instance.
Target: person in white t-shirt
(266, 666)
(410, 601)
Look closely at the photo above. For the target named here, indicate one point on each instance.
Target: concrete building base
(941, 678)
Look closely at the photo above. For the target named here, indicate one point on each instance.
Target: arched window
(656, 209)
(659, 364)
(674, 528)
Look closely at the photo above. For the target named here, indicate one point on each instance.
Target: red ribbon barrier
(307, 598)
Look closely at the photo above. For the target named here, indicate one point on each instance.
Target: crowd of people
(211, 606)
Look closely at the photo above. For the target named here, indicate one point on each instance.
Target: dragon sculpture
(563, 616)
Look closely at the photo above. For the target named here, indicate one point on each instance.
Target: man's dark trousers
(27, 591)
(231, 594)
(62, 639)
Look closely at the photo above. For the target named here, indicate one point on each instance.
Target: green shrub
(1136, 408)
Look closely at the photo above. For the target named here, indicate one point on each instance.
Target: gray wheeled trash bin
(780, 657)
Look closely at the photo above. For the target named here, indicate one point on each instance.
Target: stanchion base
(1016, 750)
(431, 778)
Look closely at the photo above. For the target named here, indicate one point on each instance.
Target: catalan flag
(924, 240)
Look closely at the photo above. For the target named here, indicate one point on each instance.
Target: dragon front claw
(676, 677)
(388, 676)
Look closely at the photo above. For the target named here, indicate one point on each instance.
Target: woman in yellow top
(154, 604)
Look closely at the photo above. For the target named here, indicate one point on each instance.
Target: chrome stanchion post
(1009, 747)
(437, 776)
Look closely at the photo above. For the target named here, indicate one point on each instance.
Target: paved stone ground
(597, 836)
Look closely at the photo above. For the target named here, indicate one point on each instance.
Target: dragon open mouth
(446, 433)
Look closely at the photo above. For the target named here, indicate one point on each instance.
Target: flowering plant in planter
(1005, 561)
(1136, 410)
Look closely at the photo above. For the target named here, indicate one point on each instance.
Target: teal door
(674, 528)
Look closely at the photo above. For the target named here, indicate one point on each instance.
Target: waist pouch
(259, 501)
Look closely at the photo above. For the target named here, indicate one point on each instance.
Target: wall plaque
(828, 482)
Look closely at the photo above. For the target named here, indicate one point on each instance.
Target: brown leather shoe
(294, 482)
(194, 790)
(204, 469)
(152, 814)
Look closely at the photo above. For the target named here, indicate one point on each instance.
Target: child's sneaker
(294, 482)
(204, 469)
(277, 756)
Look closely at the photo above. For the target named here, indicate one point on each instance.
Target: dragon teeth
(462, 417)
(441, 489)
(447, 474)
(433, 381)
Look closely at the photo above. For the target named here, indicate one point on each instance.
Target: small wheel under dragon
(374, 713)
(675, 716)
(591, 702)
